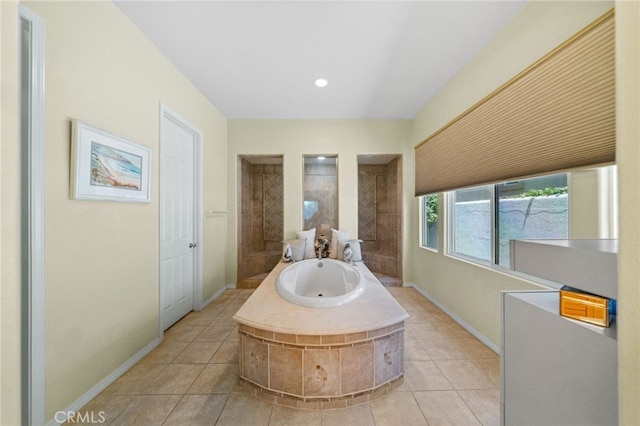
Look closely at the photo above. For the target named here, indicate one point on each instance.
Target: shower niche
(320, 193)
(260, 217)
(380, 215)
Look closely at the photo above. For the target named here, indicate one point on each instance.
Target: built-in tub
(320, 283)
(314, 358)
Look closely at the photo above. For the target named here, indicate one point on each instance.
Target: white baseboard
(215, 295)
(484, 339)
(63, 415)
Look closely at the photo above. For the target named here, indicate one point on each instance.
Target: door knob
(192, 245)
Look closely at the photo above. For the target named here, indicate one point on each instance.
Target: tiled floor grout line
(425, 315)
(470, 409)
(226, 401)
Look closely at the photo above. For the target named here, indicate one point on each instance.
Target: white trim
(484, 339)
(608, 202)
(34, 320)
(167, 113)
(613, 202)
(103, 384)
(421, 212)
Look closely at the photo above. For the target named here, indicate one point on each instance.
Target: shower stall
(260, 217)
(380, 215)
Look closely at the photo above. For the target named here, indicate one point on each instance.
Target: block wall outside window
(485, 218)
(471, 225)
(531, 209)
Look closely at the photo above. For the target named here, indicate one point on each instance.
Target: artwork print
(115, 168)
(107, 167)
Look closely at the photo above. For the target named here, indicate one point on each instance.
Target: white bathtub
(322, 283)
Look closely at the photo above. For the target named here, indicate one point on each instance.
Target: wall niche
(320, 193)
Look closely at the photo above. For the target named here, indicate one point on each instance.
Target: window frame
(494, 201)
(424, 239)
(450, 203)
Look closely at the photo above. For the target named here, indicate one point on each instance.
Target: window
(472, 222)
(485, 218)
(531, 209)
(430, 221)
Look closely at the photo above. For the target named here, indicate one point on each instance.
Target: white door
(177, 236)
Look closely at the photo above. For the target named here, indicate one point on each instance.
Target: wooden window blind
(557, 114)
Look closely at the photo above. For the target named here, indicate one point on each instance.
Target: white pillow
(310, 236)
(355, 249)
(337, 235)
(297, 248)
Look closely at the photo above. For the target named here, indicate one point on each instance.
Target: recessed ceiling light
(321, 158)
(321, 82)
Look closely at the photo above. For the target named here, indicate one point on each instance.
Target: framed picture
(107, 167)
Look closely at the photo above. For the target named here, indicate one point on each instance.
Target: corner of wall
(628, 158)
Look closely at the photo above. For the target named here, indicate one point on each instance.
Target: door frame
(167, 113)
(32, 230)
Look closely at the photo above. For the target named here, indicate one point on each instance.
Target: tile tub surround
(304, 355)
(317, 373)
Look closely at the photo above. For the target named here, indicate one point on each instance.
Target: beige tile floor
(191, 378)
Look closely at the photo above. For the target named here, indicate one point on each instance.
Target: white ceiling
(258, 60)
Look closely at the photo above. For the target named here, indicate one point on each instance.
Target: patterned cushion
(354, 245)
(322, 246)
(297, 249)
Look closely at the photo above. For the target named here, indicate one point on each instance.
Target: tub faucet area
(305, 284)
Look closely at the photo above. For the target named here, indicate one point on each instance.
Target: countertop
(266, 309)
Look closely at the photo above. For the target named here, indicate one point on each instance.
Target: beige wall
(10, 217)
(470, 291)
(102, 257)
(98, 316)
(593, 188)
(628, 159)
(536, 30)
(295, 138)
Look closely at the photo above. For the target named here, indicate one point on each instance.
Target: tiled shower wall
(261, 218)
(380, 216)
(321, 185)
